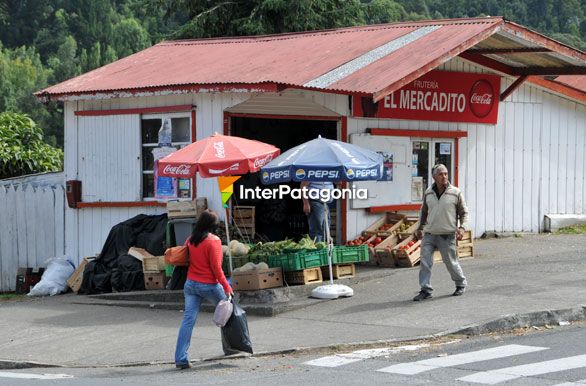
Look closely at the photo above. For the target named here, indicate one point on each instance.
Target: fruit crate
(300, 260)
(407, 255)
(392, 220)
(357, 254)
(409, 226)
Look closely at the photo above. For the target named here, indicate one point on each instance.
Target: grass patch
(12, 297)
(573, 230)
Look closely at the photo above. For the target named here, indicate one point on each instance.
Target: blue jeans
(317, 220)
(194, 293)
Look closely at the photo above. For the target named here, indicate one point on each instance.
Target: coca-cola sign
(260, 162)
(441, 96)
(177, 170)
(481, 98)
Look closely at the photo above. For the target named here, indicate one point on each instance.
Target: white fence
(32, 223)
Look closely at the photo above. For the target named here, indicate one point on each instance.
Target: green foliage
(22, 150)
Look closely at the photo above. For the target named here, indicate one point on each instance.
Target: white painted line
(460, 359)
(575, 383)
(8, 374)
(500, 375)
(359, 355)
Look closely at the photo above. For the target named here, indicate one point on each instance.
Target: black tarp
(114, 269)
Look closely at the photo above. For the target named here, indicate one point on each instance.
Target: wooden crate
(181, 209)
(407, 257)
(468, 238)
(395, 219)
(414, 224)
(340, 271)
(244, 219)
(305, 276)
(384, 251)
(466, 250)
(243, 215)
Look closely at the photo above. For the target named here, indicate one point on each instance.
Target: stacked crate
(244, 220)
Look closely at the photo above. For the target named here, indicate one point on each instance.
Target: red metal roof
(368, 60)
(575, 81)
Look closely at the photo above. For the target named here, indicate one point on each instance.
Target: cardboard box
(155, 280)
(26, 278)
(257, 279)
(76, 278)
(139, 253)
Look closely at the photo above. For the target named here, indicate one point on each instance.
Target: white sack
(54, 279)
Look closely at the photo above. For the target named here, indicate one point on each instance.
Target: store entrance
(278, 219)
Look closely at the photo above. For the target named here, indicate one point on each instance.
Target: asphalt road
(545, 356)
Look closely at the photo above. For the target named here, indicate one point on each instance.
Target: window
(180, 137)
(424, 154)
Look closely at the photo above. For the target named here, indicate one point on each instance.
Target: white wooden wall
(31, 224)
(104, 153)
(529, 164)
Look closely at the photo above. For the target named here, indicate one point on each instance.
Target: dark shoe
(459, 291)
(422, 296)
(183, 366)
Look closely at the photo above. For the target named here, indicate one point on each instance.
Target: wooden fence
(32, 223)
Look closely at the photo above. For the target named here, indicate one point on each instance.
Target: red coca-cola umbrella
(218, 155)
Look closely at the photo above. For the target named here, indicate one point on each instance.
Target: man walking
(443, 206)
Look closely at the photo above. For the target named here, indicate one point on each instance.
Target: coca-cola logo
(182, 170)
(260, 162)
(219, 149)
(481, 98)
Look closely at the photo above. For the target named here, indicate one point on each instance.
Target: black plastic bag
(235, 336)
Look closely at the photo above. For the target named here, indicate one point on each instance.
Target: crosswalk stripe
(460, 359)
(8, 374)
(359, 355)
(506, 374)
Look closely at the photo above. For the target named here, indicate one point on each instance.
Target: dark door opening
(278, 219)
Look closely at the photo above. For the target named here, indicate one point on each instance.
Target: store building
(501, 105)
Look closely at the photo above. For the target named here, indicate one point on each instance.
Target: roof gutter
(44, 96)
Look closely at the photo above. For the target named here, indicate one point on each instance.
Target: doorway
(279, 219)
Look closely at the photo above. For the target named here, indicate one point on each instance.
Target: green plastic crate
(236, 263)
(357, 254)
(300, 260)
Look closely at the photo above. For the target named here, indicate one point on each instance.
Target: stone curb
(503, 323)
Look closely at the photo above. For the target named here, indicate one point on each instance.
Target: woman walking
(205, 280)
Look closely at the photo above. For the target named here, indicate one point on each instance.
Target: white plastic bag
(223, 312)
(54, 279)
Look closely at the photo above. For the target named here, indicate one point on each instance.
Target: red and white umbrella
(218, 155)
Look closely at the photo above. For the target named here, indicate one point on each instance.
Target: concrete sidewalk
(510, 276)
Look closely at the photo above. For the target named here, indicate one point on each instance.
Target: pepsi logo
(265, 176)
(300, 173)
(350, 174)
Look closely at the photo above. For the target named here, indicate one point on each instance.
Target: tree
(22, 150)
(128, 37)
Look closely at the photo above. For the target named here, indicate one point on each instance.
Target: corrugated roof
(369, 60)
(575, 81)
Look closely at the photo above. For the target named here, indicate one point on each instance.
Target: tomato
(377, 240)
